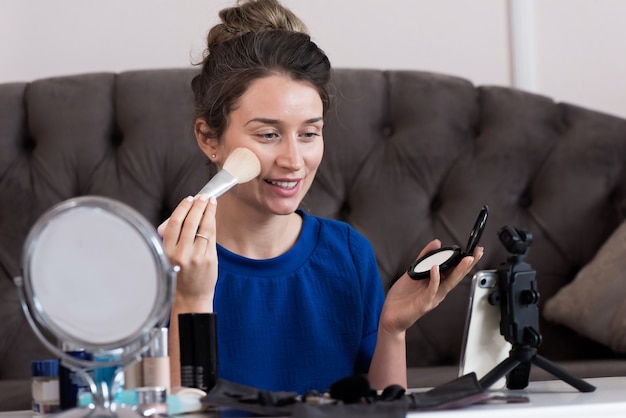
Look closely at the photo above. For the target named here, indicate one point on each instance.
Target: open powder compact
(448, 257)
(95, 275)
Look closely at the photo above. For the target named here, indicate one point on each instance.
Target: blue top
(302, 320)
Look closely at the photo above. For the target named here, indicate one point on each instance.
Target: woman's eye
(310, 135)
(268, 136)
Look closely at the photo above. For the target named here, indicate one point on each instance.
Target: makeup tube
(198, 350)
(156, 362)
(133, 375)
(72, 383)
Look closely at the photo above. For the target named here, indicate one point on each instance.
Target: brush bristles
(242, 164)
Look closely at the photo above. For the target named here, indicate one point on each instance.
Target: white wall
(581, 53)
(432, 35)
(572, 47)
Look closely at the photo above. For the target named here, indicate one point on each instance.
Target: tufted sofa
(409, 156)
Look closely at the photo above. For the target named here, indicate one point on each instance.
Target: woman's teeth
(283, 184)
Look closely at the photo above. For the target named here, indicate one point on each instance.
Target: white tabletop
(552, 399)
(547, 399)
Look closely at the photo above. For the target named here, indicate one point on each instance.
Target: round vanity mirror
(95, 276)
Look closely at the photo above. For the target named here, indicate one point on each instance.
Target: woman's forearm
(389, 361)
(174, 348)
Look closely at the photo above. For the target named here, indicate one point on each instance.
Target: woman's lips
(284, 188)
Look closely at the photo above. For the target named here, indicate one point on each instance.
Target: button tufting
(388, 131)
(29, 144)
(436, 204)
(525, 200)
(117, 138)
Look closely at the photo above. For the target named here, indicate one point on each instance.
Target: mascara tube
(198, 350)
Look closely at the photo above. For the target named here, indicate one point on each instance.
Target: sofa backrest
(409, 156)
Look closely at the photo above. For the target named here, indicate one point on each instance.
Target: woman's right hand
(190, 243)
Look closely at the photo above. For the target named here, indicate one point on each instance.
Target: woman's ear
(207, 140)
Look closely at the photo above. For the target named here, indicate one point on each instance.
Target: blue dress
(304, 319)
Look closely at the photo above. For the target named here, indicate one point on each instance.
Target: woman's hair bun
(253, 16)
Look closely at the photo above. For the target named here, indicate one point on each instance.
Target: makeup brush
(241, 166)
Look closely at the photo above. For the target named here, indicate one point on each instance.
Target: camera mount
(517, 297)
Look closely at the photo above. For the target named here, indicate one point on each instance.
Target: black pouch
(462, 391)
(249, 399)
(392, 403)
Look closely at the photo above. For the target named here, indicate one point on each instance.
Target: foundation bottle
(156, 362)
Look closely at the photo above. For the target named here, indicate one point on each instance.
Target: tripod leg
(498, 372)
(518, 377)
(562, 374)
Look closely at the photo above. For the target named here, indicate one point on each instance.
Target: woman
(298, 298)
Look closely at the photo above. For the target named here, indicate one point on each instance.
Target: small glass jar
(152, 401)
(45, 386)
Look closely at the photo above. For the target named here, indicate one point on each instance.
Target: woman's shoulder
(334, 230)
(332, 224)
(339, 241)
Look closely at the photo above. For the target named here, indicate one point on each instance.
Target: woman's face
(280, 120)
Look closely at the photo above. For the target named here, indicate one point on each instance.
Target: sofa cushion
(594, 304)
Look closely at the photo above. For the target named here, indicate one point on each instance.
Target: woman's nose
(290, 155)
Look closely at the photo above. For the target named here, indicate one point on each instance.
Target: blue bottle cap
(42, 368)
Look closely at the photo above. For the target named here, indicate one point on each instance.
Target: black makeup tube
(198, 350)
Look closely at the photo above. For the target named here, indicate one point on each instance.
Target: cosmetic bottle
(133, 372)
(71, 383)
(152, 401)
(110, 375)
(180, 403)
(198, 350)
(156, 362)
(45, 386)
(133, 375)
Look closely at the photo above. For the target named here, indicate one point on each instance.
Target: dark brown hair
(255, 39)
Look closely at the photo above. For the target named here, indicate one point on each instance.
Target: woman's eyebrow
(276, 121)
(263, 120)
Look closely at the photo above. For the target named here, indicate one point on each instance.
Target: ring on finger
(203, 236)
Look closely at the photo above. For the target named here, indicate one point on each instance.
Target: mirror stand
(95, 276)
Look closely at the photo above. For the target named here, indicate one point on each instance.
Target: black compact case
(198, 350)
(449, 257)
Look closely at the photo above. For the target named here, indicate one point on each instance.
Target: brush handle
(219, 184)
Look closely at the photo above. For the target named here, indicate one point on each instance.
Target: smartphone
(483, 346)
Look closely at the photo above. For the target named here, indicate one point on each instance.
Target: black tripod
(519, 318)
(517, 366)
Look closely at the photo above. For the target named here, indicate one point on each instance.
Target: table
(552, 399)
(547, 399)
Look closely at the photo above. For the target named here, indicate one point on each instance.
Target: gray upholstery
(409, 156)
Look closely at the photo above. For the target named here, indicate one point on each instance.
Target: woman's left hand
(408, 299)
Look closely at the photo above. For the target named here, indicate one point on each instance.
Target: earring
(213, 155)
